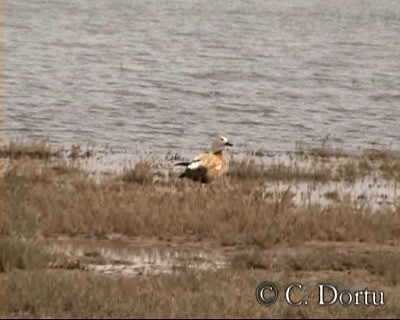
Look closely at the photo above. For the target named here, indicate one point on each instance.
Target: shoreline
(315, 175)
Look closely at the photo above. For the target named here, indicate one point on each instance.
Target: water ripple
(163, 73)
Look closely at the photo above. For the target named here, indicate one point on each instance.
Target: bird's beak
(229, 144)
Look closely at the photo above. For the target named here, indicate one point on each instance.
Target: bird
(207, 165)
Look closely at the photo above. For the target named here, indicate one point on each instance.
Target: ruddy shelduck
(208, 165)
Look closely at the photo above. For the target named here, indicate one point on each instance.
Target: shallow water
(372, 190)
(164, 76)
(378, 196)
(134, 258)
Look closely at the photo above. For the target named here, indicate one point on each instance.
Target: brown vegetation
(32, 150)
(248, 170)
(42, 198)
(227, 210)
(184, 294)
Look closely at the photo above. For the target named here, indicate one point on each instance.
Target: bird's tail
(182, 164)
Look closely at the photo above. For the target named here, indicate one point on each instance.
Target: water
(134, 257)
(169, 75)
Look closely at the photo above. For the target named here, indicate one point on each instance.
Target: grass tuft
(36, 150)
(19, 254)
(141, 174)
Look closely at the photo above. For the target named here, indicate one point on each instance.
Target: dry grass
(76, 152)
(228, 293)
(34, 292)
(332, 195)
(256, 153)
(375, 261)
(250, 259)
(328, 152)
(15, 253)
(33, 150)
(323, 151)
(40, 198)
(382, 264)
(141, 174)
(350, 171)
(391, 169)
(382, 154)
(248, 170)
(358, 164)
(4, 205)
(58, 198)
(46, 200)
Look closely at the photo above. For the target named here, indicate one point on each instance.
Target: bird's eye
(222, 139)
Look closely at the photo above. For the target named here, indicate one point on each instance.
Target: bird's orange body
(208, 165)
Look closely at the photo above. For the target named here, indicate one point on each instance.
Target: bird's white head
(219, 144)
